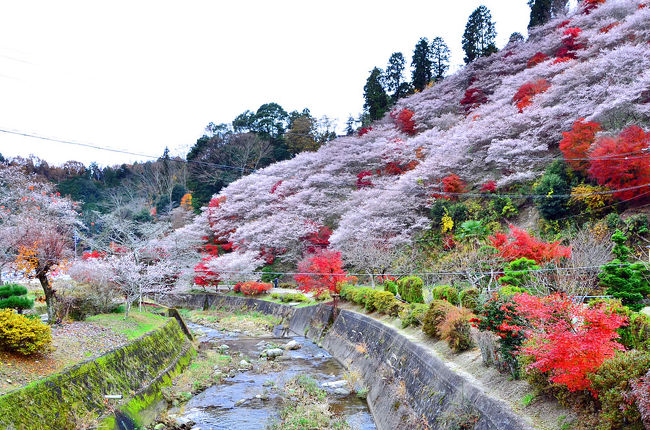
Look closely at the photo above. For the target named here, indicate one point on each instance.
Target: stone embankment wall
(73, 397)
(408, 386)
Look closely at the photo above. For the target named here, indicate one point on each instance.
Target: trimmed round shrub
(413, 314)
(469, 299)
(410, 289)
(23, 335)
(445, 292)
(290, 297)
(436, 313)
(383, 300)
(14, 296)
(455, 328)
(253, 288)
(390, 286)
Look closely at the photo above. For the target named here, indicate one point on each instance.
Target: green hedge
(410, 289)
(445, 292)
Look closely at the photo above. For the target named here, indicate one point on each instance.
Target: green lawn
(137, 324)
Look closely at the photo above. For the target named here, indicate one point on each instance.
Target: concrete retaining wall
(135, 371)
(408, 386)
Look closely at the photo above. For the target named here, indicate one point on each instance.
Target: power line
(442, 273)
(243, 169)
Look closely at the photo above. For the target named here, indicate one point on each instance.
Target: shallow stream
(251, 399)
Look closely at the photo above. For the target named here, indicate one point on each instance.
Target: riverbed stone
(343, 392)
(292, 345)
(335, 384)
(224, 349)
(274, 352)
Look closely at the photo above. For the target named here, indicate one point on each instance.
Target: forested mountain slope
(498, 119)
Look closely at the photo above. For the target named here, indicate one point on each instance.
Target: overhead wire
(353, 186)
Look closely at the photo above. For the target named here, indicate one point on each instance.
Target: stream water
(252, 399)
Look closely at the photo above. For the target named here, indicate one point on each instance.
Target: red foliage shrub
(364, 130)
(318, 240)
(448, 242)
(524, 96)
(275, 186)
(489, 187)
(451, 185)
(321, 271)
(577, 142)
(536, 59)
(252, 288)
(474, 97)
(619, 163)
(204, 276)
(606, 28)
(361, 182)
(564, 23)
(590, 5)
(518, 243)
(569, 43)
(93, 255)
(640, 395)
(562, 60)
(568, 340)
(404, 121)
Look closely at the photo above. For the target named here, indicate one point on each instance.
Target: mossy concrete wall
(408, 386)
(135, 371)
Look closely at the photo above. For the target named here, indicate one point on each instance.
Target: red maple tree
(620, 163)
(569, 45)
(474, 97)
(519, 243)
(404, 121)
(363, 183)
(568, 340)
(452, 185)
(489, 187)
(576, 143)
(320, 272)
(536, 59)
(524, 96)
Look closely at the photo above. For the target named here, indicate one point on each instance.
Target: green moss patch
(60, 401)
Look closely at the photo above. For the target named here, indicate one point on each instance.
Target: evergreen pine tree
(623, 279)
(376, 104)
(14, 296)
(394, 75)
(542, 11)
(439, 58)
(421, 64)
(349, 126)
(480, 32)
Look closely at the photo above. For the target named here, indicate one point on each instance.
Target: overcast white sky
(142, 75)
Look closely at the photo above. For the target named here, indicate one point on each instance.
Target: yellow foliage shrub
(23, 335)
(583, 198)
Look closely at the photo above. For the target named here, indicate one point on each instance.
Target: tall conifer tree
(480, 32)
(421, 64)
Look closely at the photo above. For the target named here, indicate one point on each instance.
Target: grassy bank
(137, 323)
